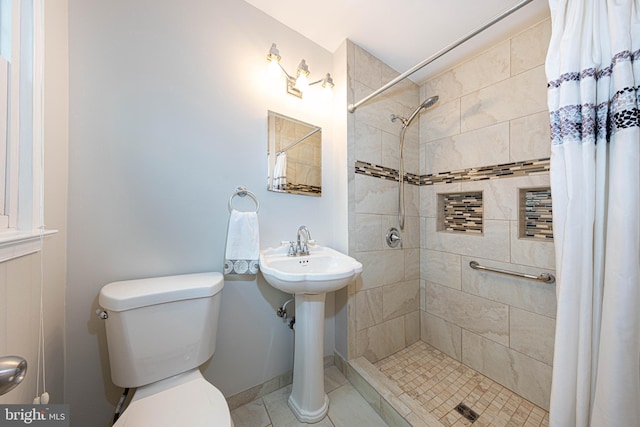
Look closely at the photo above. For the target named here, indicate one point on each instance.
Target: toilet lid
(196, 403)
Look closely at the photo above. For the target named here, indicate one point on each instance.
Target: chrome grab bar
(543, 277)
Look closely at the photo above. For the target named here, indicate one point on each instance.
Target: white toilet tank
(160, 327)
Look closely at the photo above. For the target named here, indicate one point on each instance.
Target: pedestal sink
(309, 278)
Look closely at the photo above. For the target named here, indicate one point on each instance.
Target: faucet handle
(293, 251)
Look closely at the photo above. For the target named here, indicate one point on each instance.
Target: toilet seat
(186, 399)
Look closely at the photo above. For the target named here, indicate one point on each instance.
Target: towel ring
(242, 192)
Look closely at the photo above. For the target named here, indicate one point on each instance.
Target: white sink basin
(323, 270)
(309, 277)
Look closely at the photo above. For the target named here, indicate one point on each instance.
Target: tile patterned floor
(347, 408)
(440, 383)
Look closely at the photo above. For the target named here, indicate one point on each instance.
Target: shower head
(430, 101)
(405, 123)
(426, 104)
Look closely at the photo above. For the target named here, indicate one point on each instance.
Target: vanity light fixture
(298, 84)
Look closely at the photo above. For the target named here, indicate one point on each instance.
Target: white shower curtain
(280, 172)
(593, 70)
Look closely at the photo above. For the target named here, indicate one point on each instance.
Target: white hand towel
(242, 253)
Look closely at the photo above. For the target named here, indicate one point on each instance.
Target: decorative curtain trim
(589, 122)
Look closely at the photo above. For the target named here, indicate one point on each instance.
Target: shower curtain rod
(293, 144)
(352, 107)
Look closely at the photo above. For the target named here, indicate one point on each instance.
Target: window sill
(14, 244)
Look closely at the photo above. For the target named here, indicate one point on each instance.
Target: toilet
(159, 331)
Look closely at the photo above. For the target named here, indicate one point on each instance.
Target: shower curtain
(593, 70)
(280, 172)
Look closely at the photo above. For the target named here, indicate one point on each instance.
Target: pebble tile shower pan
(456, 394)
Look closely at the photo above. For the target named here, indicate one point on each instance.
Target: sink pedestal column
(308, 401)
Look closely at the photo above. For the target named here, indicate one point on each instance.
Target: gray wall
(168, 114)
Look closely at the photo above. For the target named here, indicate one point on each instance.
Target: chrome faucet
(303, 245)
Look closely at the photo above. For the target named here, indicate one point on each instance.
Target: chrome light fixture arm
(298, 83)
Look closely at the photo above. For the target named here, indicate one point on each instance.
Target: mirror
(295, 156)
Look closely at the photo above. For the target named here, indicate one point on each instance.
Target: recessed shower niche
(535, 214)
(460, 212)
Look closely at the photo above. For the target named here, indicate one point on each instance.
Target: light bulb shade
(302, 83)
(327, 93)
(274, 57)
(274, 53)
(303, 68)
(273, 69)
(327, 82)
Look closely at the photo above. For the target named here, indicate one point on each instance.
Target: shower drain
(467, 412)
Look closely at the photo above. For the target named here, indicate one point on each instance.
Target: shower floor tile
(440, 383)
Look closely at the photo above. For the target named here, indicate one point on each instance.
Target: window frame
(21, 221)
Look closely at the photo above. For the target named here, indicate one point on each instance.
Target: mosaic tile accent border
(506, 170)
(384, 172)
(536, 213)
(460, 212)
(303, 188)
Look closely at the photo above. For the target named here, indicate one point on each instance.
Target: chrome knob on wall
(12, 371)
(393, 237)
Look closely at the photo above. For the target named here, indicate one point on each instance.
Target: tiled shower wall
(384, 302)
(492, 111)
